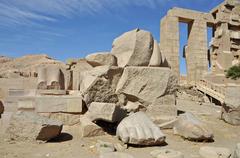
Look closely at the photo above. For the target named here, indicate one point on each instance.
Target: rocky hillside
(24, 66)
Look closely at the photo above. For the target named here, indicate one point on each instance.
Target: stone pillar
(197, 51)
(169, 42)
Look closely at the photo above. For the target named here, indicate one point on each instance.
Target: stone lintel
(187, 15)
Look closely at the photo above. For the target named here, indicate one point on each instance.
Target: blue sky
(74, 28)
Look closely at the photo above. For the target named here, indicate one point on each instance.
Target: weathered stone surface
(156, 59)
(104, 147)
(231, 108)
(4, 59)
(102, 58)
(89, 129)
(168, 124)
(190, 127)
(53, 104)
(133, 48)
(138, 129)
(147, 83)
(120, 146)
(29, 126)
(68, 119)
(50, 77)
(109, 112)
(99, 84)
(166, 153)
(236, 153)
(1, 108)
(80, 66)
(214, 152)
(163, 109)
(132, 106)
(26, 66)
(115, 155)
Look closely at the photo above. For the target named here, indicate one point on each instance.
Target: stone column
(197, 51)
(169, 42)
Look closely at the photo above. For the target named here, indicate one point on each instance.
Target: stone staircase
(216, 91)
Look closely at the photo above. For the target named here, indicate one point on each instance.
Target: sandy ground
(71, 146)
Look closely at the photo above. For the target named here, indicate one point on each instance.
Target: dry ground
(71, 146)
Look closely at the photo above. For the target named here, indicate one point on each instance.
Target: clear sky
(74, 28)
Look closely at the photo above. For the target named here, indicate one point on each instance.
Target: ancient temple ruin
(133, 92)
(224, 48)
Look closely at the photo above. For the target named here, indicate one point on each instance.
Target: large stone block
(52, 104)
(163, 110)
(138, 129)
(190, 127)
(29, 126)
(99, 84)
(68, 119)
(102, 58)
(231, 107)
(147, 83)
(89, 129)
(109, 112)
(133, 48)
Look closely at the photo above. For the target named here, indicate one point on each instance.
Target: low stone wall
(18, 83)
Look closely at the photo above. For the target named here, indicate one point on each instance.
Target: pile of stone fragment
(131, 88)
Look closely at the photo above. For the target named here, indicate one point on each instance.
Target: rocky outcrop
(138, 129)
(26, 66)
(4, 59)
(231, 107)
(29, 126)
(101, 59)
(190, 127)
(146, 84)
(99, 84)
(133, 48)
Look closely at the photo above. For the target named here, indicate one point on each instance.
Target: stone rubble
(99, 84)
(152, 83)
(109, 112)
(190, 127)
(29, 126)
(134, 91)
(231, 107)
(133, 48)
(89, 129)
(101, 59)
